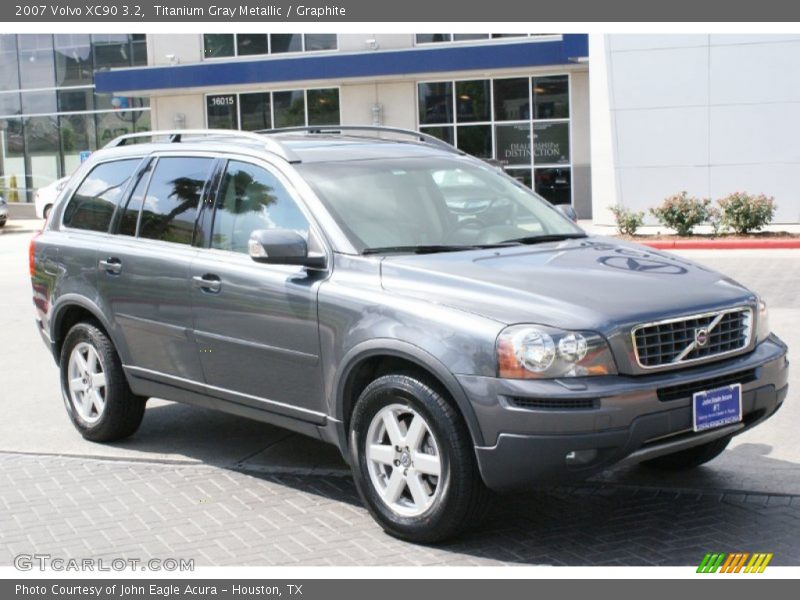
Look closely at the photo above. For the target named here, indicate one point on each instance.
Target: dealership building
(588, 120)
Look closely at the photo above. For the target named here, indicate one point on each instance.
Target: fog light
(580, 457)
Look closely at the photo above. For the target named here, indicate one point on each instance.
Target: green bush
(682, 212)
(744, 212)
(627, 220)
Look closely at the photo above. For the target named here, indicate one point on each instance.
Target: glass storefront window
(551, 143)
(464, 37)
(433, 38)
(112, 51)
(10, 104)
(9, 66)
(289, 108)
(221, 111)
(511, 99)
(218, 45)
(63, 117)
(513, 144)
(256, 111)
(436, 102)
(37, 68)
(34, 103)
(473, 101)
(252, 43)
(113, 124)
(475, 140)
(323, 106)
(551, 97)
(554, 184)
(73, 54)
(316, 42)
(77, 135)
(76, 100)
(286, 42)
(443, 133)
(497, 119)
(43, 151)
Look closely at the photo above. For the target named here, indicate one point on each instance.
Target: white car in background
(45, 197)
(3, 211)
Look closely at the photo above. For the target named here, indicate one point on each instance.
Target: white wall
(709, 114)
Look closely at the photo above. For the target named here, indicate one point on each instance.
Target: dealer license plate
(717, 407)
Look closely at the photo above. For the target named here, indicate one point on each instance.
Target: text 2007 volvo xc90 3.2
(446, 328)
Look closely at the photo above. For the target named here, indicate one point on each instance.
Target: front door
(256, 324)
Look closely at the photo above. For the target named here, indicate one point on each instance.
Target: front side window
(170, 206)
(93, 204)
(430, 201)
(252, 198)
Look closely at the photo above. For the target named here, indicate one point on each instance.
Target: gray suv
(446, 328)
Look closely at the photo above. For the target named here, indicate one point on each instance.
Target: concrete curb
(722, 244)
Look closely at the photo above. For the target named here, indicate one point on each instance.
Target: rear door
(256, 324)
(144, 278)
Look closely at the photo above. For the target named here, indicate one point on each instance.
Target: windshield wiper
(540, 239)
(434, 248)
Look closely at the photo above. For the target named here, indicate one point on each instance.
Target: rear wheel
(46, 211)
(96, 393)
(689, 458)
(413, 461)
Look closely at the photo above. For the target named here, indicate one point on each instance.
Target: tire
(3, 223)
(427, 508)
(689, 458)
(46, 211)
(101, 412)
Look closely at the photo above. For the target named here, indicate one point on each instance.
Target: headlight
(762, 322)
(538, 352)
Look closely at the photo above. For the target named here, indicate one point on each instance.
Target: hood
(593, 283)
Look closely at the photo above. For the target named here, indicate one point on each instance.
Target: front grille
(554, 403)
(687, 390)
(680, 341)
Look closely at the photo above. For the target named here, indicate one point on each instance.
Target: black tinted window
(93, 203)
(252, 198)
(130, 215)
(170, 206)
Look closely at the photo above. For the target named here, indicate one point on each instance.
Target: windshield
(433, 202)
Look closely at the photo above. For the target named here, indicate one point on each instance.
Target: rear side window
(130, 215)
(93, 203)
(170, 206)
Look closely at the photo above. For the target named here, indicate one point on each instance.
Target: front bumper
(626, 420)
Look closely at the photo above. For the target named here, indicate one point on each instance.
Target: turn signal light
(32, 254)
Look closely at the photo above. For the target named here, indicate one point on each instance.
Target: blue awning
(416, 61)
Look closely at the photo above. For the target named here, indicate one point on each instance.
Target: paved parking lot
(224, 490)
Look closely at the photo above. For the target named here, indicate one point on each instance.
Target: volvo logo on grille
(701, 337)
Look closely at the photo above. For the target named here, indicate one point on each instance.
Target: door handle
(111, 265)
(207, 283)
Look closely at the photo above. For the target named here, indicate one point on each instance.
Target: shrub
(714, 219)
(744, 212)
(627, 220)
(682, 212)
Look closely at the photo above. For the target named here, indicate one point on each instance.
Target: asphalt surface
(283, 483)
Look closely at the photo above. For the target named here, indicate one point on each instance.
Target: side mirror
(568, 211)
(283, 247)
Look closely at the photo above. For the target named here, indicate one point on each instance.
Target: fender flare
(413, 354)
(68, 300)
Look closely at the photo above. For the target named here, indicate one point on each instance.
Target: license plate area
(717, 408)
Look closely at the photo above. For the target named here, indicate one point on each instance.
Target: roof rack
(175, 136)
(417, 135)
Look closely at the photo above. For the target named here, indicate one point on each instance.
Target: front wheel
(691, 457)
(413, 461)
(96, 393)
